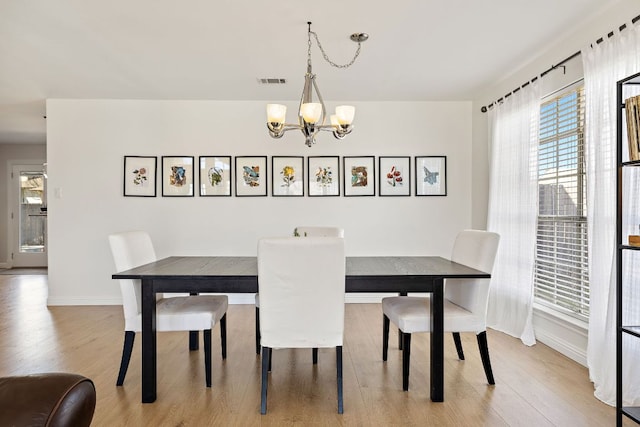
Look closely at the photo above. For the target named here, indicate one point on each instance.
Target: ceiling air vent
(272, 81)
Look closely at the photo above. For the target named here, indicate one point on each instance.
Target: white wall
(87, 139)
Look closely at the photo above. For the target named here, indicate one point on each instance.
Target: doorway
(28, 216)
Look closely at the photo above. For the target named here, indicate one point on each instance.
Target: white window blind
(561, 269)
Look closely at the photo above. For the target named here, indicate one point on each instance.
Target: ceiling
(418, 50)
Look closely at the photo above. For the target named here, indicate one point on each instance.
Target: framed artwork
(395, 176)
(140, 176)
(215, 176)
(177, 176)
(251, 175)
(431, 176)
(323, 177)
(359, 176)
(287, 176)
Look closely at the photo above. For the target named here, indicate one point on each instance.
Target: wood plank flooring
(535, 386)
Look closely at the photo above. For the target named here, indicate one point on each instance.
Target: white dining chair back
(465, 303)
(194, 313)
(131, 249)
(300, 231)
(476, 249)
(302, 289)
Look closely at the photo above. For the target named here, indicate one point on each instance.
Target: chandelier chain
(326, 57)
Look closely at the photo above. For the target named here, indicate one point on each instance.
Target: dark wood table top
(239, 274)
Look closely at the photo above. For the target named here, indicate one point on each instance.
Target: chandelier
(312, 115)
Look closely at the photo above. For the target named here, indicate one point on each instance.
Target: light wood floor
(535, 386)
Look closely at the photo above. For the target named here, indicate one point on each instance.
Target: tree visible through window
(561, 270)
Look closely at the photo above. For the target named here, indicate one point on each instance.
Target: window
(561, 267)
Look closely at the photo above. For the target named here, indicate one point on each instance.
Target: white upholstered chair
(300, 232)
(302, 287)
(184, 313)
(465, 303)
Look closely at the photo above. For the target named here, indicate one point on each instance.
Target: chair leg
(270, 357)
(484, 355)
(385, 337)
(223, 335)
(406, 356)
(266, 361)
(456, 339)
(314, 355)
(339, 374)
(258, 331)
(206, 334)
(127, 348)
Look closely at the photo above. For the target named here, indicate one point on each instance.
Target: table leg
(148, 341)
(193, 335)
(437, 341)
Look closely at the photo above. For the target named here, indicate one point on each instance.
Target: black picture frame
(394, 173)
(359, 176)
(251, 176)
(140, 176)
(431, 176)
(177, 176)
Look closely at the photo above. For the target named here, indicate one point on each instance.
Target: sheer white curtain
(604, 64)
(513, 209)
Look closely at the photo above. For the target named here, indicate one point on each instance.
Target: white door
(28, 216)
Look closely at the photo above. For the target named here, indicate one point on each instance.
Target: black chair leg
(484, 355)
(314, 355)
(206, 334)
(270, 357)
(456, 339)
(193, 340)
(385, 337)
(127, 348)
(258, 331)
(339, 378)
(406, 357)
(223, 335)
(266, 361)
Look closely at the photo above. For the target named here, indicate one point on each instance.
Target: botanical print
(394, 177)
(288, 176)
(215, 176)
(140, 177)
(324, 176)
(178, 176)
(359, 176)
(251, 175)
(430, 178)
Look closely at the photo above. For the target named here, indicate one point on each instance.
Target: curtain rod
(485, 108)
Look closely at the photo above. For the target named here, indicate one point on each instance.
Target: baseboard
(5, 265)
(566, 336)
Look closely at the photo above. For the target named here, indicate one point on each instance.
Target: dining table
(239, 274)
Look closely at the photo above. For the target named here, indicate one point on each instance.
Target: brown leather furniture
(51, 399)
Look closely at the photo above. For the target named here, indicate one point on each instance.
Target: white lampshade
(334, 121)
(276, 113)
(345, 114)
(311, 112)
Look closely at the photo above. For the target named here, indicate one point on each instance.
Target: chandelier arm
(326, 57)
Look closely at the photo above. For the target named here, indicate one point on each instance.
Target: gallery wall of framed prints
(289, 176)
